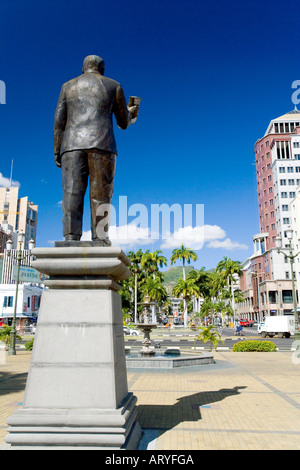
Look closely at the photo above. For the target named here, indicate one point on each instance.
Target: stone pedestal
(76, 394)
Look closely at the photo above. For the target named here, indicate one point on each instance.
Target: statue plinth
(76, 394)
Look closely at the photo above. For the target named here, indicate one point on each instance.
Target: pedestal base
(80, 429)
(76, 394)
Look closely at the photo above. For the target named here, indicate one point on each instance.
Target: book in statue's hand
(134, 101)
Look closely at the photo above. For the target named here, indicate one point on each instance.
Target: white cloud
(129, 236)
(195, 237)
(126, 236)
(5, 182)
(227, 244)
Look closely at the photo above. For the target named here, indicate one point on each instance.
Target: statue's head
(93, 63)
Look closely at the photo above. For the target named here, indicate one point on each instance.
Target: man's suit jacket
(83, 118)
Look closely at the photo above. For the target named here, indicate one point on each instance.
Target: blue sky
(211, 76)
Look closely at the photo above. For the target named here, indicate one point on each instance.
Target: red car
(245, 322)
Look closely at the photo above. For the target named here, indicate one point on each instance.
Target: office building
(19, 214)
(266, 282)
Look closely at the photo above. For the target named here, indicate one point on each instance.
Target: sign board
(29, 275)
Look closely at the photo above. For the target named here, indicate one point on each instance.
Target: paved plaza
(244, 401)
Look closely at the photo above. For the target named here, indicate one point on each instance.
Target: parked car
(244, 322)
(130, 331)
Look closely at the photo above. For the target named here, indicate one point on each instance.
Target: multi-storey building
(267, 275)
(18, 213)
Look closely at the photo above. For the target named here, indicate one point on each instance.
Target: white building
(29, 298)
(295, 225)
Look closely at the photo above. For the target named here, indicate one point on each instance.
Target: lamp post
(19, 258)
(291, 256)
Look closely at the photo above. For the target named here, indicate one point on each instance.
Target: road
(186, 339)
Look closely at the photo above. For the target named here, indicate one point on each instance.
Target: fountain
(148, 358)
(146, 328)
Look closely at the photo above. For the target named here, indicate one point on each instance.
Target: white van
(280, 325)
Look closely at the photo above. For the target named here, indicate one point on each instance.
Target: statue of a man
(84, 143)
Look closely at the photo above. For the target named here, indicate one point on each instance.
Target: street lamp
(19, 258)
(291, 256)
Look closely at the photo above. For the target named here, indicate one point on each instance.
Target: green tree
(185, 255)
(5, 332)
(138, 278)
(151, 262)
(228, 268)
(155, 290)
(185, 289)
(201, 279)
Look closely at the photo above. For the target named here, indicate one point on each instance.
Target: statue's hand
(57, 159)
(133, 111)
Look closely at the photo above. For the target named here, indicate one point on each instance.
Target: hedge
(249, 346)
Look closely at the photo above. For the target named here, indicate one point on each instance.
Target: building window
(287, 296)
(285, 207)
(290, 169)
(287, 275)
(291, 182)
(282, 182)
(292, 194)
(286, 220)
(282, 169)
(296, 145)
(8, 301)
(283, 195)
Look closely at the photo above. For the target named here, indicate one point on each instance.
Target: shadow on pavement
(155, 420)
(12, 383)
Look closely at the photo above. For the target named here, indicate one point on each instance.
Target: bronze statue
(84, 143)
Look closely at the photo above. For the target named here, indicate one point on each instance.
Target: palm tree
(211, 335)
(151, 262)
(185, 254)
(135, 258)
(201, 278)
(185, 289)
(228, 268)
(5, 336)
(155, 290)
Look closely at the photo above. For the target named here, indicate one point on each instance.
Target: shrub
(252, 345)
(211, 335)
(29, 345)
